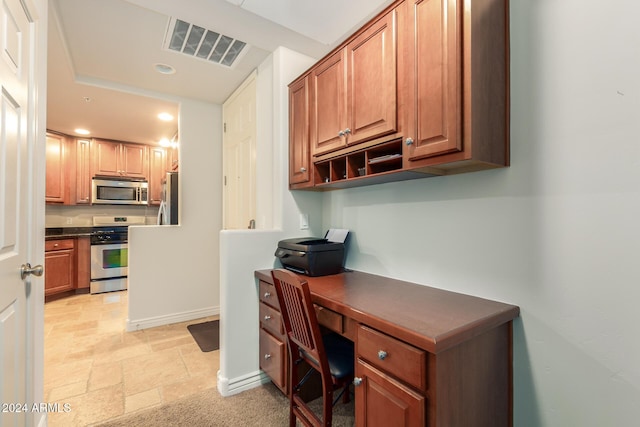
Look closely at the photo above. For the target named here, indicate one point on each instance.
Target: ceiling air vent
(201, 43)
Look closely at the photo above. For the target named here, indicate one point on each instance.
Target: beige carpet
(261, 406)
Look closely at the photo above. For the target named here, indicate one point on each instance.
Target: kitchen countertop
(51, 233)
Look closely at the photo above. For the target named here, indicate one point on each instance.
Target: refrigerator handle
(161, 215)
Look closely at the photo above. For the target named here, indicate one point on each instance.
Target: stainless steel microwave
(119, 192)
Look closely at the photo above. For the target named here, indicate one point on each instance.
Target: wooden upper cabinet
(172, 159)
(372, 81)
(83, 171)
(354, 91)
(299, 156)
(57, 176)
(437, 80)
(111, 158)
(157, 168)
(135, 160)
(105, 158)
(458, 54)
(329, 104)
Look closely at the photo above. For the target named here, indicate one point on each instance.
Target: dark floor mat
(206, 334)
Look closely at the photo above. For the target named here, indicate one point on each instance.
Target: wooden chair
(329, 354)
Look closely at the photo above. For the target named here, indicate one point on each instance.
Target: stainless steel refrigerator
(168, 212)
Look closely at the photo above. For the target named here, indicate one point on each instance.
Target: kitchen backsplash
(82, 216)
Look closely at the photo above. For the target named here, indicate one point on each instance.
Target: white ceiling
(102, 54)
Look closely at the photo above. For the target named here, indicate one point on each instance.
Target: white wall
(556, 233)
(174, 270)
(244, 251)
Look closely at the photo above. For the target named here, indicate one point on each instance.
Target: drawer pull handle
(382, 355)
(267, 317)
(267, 294)
(357, 381)
(267, 356)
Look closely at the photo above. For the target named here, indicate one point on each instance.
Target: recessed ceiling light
(82, 131)
(164, 69)
(165, 117)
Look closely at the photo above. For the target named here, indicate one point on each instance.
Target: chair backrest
(299, 318)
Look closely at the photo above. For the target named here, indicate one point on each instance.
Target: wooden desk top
(429, 318)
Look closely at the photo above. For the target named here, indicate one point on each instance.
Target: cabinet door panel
(83, 172)
(382, 401)
(372, 76)
(134, 160)
(59, 271)
(157, 169)
(328, 116)
(299, 156)
(437, 78)
(55, 165)
(105, 157)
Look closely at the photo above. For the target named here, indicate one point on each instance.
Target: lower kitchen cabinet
(83, 258)
(59, 266)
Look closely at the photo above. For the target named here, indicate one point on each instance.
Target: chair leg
(327, 408)
(292, 417)
(346, 395)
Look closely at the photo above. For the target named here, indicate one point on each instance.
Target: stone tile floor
(102, 371)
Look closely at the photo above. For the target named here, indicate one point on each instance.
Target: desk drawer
(268, 294)
(271, 320)
(56, 245)
(329, 319)
(272, 354)
(395, 357)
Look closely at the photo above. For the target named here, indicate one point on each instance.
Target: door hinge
(225, 180)
(224, 125)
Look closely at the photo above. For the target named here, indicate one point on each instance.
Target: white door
(239, 156)
(18, 135)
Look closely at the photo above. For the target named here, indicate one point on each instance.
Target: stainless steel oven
(110, 253)
(109, 260)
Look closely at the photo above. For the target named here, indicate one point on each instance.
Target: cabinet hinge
(224, 126)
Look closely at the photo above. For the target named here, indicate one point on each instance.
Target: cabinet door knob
(303, 169)
(267, 294)
(267, 317)
(267, 356)
(341, 133)
(357, 381)
(347, 131)
(382, 354)
(408, 141)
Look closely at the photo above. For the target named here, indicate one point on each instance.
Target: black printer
(311, 256)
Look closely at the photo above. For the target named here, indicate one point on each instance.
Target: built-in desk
(423, 355)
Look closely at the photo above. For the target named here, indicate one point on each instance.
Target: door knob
(27, 270)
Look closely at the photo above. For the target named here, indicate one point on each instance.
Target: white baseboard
(228, 387)
(152, 322)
